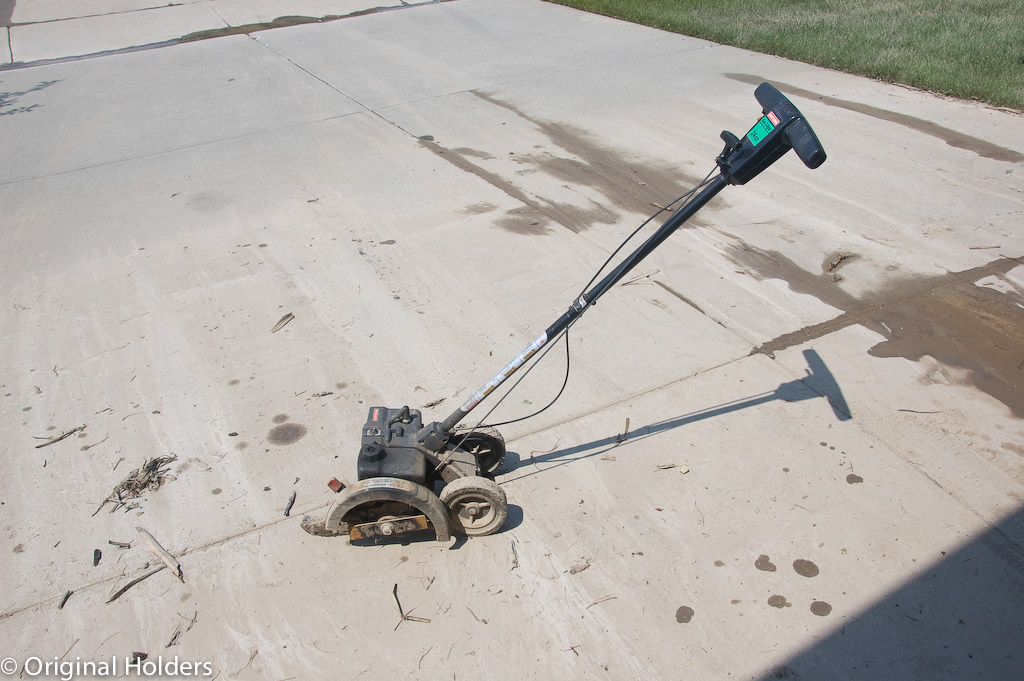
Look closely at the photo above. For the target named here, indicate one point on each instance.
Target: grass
(971, 49)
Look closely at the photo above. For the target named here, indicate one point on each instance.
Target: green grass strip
(971, 49)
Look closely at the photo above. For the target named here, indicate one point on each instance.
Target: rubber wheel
(486, 444)
(476, 506)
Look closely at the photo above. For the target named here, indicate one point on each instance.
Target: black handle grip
(798, 133)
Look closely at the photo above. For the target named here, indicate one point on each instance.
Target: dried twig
(150, 477)
(61, 437)
(170, 561)
(174, 637)
(600, 600)
(86, 448)
(281, 322)
(625, 434)
(64, 600)
(119, 544)
(134, 582)
(406, 616)
(840, 258)
(288, 506)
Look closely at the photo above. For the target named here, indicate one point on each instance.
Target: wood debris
(170, 561)
(135, 581)
(60, 437)
(840, 258)
(149, 478)
(578, 567)
(281, 322)
(406, 616)
(288, 506)
(64, 600)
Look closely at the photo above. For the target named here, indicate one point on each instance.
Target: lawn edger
(418, 476)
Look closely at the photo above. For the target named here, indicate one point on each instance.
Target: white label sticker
(386, 483)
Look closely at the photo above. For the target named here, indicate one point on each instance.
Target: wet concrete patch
(279, 22)
(777, 601)
(286, 434)
(479, 208)
(764, 564)
(280, 418)
(6, 12)
(946, 317)
(853, 479)
(684, 614)
(821, 608)
(805, 568)
(951, 137)
(626, 184)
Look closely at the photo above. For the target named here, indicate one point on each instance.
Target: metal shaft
(590, 297)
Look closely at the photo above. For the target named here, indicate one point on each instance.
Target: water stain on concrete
(805, 568)
(241, 445)
(821, 608)
(945, 316)
(853, 479)
(777, 601)
(280, 418)
(479, 208)
(951, 137)
(286, 434)
(679, 295)
(719, 563)
(245, 29)
(684, 614)
(764, 564)
(6, 12)
(629, 185)
(1011, 447)
(234, 381)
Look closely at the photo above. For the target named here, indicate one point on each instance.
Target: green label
(760, 130)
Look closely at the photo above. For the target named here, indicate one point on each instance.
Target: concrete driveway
(822, 475)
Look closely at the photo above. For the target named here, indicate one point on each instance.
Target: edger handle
(781, 127)
(798, 133)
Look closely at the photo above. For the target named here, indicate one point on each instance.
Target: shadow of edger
(819, 382)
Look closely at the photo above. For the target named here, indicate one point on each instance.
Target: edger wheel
(476, 506)
(486, 444)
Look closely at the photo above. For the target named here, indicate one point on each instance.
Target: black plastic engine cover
(390, 446)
